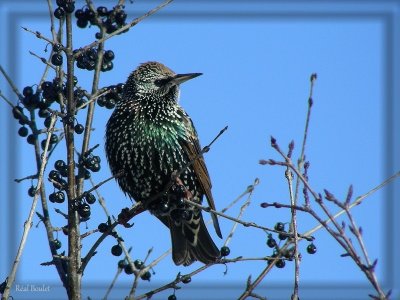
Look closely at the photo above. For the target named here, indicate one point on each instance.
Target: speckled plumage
(149, 136)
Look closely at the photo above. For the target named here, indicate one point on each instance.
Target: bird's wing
(191, 147)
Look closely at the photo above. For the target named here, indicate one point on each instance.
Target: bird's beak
(181, 78)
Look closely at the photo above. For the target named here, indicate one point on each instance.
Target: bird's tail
(191, 241)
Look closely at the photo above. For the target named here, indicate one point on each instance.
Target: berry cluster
(31, 100)
(112, 97)
(286, 254)
(56, 58)
(116, 250)
(112, 20)
(174, 205)
(64, 7)
(88, 59)
(83, 203)
(90, 162)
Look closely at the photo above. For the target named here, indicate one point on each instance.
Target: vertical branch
(300, 162)
(289, 177)
(90, 112)
(74, 243)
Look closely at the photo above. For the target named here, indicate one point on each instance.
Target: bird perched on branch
(149, 137)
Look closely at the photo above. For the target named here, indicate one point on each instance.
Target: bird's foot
(127, 214)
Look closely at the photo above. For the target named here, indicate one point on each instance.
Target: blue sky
(255, 79)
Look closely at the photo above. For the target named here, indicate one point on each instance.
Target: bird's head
(155, 80)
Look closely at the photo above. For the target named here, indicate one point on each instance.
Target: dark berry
(90, 198)
(122, 264)
(128, 269)
(64, 171)
(102, 11)
(59, 164)
(27, 91)
(282, 236)
(82, 23)
(79, 128)
(61, 2)
(225, 251)
(98, 35)
(3, 286)
(280, 263)
(186, 279)
(69, 7)
(120, 87)
(57, 59)
(271, 242)
(59, 197)
(53, 138)
(57, 244)
(90, 65)
(101, 101)
(171, 297)
(80, 14)
(311, 249)
(89, 14)
(31, 139)
(43, 145)
(280, 226)
(138, 264)
(23, 131)
(47, 85)
(52, 197)
(59, 12)
(31, 191)
(18, 112)
(87, 174)
(146, 276)
(47, 122)
(120, 17)
(56, 48)
(110, 104)
(65, 230)
(55, 175)
(95, 167)
(109, 55)
(84, 210)
(43, 113)
(116, 250)
(103, 227)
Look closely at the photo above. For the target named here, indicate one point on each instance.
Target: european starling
(149, 137)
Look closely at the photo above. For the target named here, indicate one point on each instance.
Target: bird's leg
(126, 214)
(186, 193)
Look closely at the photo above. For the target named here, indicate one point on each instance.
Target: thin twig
(28, 222)
(242, 210)
(11, 83)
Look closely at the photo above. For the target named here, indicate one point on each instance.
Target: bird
(149, 138)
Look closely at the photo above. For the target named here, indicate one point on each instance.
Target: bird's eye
(160, 82)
